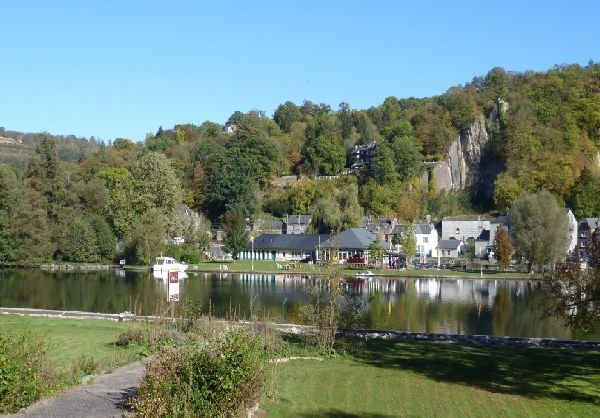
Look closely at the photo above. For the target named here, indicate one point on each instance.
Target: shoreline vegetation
(272, 267)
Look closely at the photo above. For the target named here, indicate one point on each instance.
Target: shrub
(86, 365)
(22, 361)
(216, 378)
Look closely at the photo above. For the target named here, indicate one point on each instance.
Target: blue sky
(123, 68)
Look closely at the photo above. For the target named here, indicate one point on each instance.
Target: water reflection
(498, 307)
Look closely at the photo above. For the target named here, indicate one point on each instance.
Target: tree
(502, 248)
(149, 236)
(408, 241)
(376, 251)
(6, 250)
(337, 211)
(156, 184)
(286, 114)
(539, 229)
(234, 226)
(81, 242)
(576, 294)
(584, 196)
(31, 238)
(506, 190)
(407, 155)
(324, 155)
(105, 239)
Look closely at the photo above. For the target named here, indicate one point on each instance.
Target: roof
(449, 244)
(484, 236)
(288, 242)
(299, 219)
(483, 217)
(353, 239)
(421, 228)
(591, 222)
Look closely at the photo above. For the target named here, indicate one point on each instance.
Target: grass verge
(74, 341)
(390, 379)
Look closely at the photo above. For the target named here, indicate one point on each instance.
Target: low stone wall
(486, 340)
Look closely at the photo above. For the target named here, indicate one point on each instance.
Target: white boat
(367, 273)
(165, 264)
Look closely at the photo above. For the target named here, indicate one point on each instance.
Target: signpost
(173, 293)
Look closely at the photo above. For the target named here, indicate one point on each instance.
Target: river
(492, 307)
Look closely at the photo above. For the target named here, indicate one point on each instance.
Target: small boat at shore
(166, 264)
(363, 274)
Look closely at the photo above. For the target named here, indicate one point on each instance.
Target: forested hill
(511, 133)
(16, 148)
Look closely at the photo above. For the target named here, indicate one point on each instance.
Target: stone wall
(487, 340)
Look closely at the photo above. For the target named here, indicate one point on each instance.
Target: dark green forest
(71, 199)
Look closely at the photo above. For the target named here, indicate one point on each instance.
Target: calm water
(495, 307)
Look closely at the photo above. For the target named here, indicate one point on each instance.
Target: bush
(22, 379)
(219, 377)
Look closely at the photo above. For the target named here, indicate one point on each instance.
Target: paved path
(103, 397)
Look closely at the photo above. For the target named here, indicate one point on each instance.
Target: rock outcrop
(461, 169)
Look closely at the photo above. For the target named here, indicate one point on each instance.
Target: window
(583, 234)
(425, 240)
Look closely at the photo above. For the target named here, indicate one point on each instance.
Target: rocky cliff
(462, 168)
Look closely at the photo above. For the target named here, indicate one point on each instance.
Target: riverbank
(275, 267)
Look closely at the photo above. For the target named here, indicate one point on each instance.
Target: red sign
(173, 277)
(174, 298)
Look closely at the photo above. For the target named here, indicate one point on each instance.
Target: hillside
(474, 148)
(16, 148)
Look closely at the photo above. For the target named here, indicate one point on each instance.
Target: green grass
(387, 379)
(268, 266)
(70, 339)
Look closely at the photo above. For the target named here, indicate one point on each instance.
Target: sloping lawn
(70, 339)
(385, 379)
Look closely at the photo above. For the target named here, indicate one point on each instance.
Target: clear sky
(123, 68)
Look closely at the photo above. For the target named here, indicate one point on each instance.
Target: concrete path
(102, 397)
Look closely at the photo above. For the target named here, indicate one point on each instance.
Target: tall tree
(539, 229)
(234, 226)
(156, 183)
(81, 242)
(502, 248)
(149, 236)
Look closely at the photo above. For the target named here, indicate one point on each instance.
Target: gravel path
(102, 397)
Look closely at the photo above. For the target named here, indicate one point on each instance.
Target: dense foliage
(69, 199)
(214, 378)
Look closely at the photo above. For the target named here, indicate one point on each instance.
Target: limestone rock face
(461, 169)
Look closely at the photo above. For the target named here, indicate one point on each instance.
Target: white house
(427, 241)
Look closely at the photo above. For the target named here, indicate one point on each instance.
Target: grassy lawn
(70, 339)
(268, 266)
(386, 379)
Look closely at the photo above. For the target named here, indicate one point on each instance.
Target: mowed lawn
(70, 339)
(385, 379)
